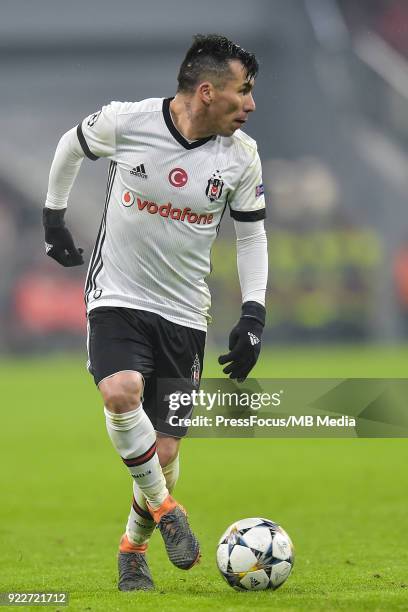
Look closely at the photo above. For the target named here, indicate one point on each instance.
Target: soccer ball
(255, 554)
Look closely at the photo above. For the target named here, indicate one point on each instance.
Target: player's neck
(187, 119)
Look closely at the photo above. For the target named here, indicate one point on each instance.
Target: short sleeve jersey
(165, 199)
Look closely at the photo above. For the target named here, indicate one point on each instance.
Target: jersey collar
(174, 131)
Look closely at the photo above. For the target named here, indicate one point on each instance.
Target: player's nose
(249, 104)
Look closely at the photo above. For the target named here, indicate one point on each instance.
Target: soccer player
(176, 165)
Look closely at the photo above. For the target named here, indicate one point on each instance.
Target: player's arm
(59, 243)
(252, 262)
(248, 212)
(90, 140)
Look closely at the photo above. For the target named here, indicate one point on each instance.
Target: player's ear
(206, 92)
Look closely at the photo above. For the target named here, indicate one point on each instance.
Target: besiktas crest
(214, 187)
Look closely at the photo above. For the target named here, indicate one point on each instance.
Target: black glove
(245, 342)
(58, 240)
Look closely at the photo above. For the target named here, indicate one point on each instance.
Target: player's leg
(119, 353)
(140, 525)
(168, 450)
(178, 359)
(132, 433)
(134, 438)
(120, 356)
(181, 544)
(120, 347)
(133, 570)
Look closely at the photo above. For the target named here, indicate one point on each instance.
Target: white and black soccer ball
(255, 554)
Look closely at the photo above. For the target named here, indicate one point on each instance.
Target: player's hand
(59, 243)
(244, 342)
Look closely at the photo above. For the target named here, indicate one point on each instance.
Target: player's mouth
(240, 121)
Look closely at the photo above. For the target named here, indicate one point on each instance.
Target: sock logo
(253, 339)
(142, 526)
(142, 474)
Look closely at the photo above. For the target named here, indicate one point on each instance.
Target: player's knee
(122, 391)
(167, 449)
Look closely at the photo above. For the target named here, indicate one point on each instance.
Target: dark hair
(208, 57)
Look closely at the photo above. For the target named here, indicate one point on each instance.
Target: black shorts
(127, 339)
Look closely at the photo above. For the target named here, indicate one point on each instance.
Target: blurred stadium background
(332, 129)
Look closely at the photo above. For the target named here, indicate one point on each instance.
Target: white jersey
(164, 202)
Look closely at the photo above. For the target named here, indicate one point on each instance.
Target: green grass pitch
(65, 497)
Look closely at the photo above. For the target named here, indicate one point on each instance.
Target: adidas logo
(253, 339)
(139, 171)
(254, 582)
(48, 247)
